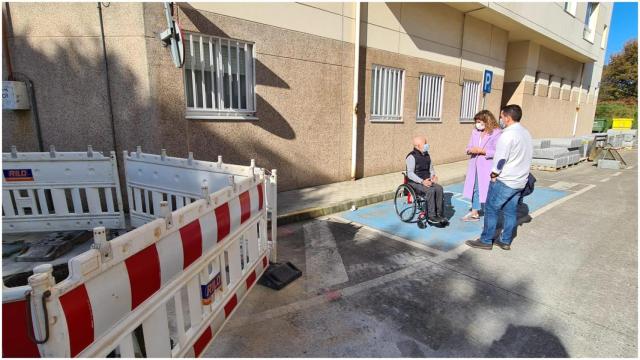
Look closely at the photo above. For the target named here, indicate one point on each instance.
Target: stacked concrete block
(609, 164)
(629, 137)
(573, 158)
(551, 163)
(549, 153)
(560, 152)
(569, 143)
(615, 140)
(541, 143)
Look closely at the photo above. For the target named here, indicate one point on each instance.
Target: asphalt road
(568, 287)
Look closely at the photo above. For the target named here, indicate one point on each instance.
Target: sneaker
(443, 220)
(478, 244)
(433, 220)
(503, 246)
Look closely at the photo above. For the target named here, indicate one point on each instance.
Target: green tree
(620, 76)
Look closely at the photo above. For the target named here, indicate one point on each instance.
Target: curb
(316, 212)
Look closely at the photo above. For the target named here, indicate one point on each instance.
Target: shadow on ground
(398, 301)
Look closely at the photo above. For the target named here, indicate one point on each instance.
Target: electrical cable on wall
(108, 81)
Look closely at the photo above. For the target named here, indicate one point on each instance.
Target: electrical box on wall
(14, 95)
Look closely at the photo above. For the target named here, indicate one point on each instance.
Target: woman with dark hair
(481, 147)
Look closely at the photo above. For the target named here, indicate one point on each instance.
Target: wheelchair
(408, 202)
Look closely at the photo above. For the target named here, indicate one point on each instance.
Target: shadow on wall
(69, 78)
(69, 75)
(362, 90)
(438, 46)
(250, 141)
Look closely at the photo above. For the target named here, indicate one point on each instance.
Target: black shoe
(433, 220)
(443, 220)
(503, 246)
(478, 244)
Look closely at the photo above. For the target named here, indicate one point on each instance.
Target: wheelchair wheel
(405, 203)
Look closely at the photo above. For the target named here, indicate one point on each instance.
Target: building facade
(285, 83)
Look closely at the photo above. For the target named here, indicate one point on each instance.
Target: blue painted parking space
(382, 216)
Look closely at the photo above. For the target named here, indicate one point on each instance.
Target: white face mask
(480, 126)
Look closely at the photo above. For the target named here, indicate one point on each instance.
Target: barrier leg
(41, 282)
(274, 216)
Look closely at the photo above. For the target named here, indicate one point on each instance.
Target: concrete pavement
(568, 287)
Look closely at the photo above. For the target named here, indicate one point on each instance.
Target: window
(386, 95)
(590, 21)
(219, 78)
(430, 97)
(470, 100)
(605, 34)
(570, 7)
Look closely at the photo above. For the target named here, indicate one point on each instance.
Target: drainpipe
(354, 118)
(575, 119)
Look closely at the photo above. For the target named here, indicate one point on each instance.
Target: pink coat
(480, 163)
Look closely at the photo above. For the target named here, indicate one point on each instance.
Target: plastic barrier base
(279, 275)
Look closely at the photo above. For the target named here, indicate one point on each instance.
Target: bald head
(419, 141)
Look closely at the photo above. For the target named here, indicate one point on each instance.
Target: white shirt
(512, 159)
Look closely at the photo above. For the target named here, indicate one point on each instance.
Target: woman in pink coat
(481, 147)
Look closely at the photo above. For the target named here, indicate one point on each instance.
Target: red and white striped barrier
(209, 253)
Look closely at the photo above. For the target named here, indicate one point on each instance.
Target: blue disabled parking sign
(486, 84)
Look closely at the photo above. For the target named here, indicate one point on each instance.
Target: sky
(624, 26)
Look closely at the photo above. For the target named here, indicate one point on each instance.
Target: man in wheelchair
(423, 180)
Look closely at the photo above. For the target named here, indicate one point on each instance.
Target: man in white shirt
(510, 173)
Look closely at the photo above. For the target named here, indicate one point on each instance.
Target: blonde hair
(488, 119)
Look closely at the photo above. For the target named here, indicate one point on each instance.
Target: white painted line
(616, 174)
(563, 185)
(554, 181)
(402, 240)
(548, 207)
(324, 263)
(605, 179)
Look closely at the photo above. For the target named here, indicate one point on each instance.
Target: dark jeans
(505, 199)
(433, 195)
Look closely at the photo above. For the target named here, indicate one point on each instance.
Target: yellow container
(620, 123)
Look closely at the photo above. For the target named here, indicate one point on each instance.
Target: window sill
(467, 121)
(428, 121)
(385, 120)
(220, 117)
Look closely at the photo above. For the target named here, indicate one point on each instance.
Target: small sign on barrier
(210, 288)
(18, 175)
